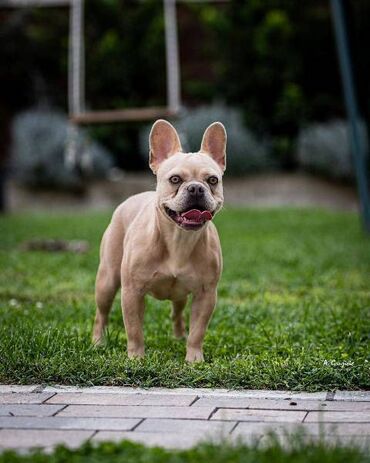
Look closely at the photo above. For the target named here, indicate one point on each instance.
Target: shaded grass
(136, 453)
(293, 309)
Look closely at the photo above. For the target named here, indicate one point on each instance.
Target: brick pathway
(45, 416)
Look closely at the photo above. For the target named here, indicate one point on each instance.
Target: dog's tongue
(196, 215)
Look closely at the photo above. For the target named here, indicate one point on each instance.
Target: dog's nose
(195, 190)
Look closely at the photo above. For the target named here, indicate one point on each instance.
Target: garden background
(267, 69)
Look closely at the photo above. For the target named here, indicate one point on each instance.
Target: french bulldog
(164, 242)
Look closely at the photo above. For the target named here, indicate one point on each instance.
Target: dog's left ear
(163, 143)
(214, 143)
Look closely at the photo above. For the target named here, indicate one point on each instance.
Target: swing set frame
(76, 67)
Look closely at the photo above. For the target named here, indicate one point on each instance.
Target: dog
(164, 242)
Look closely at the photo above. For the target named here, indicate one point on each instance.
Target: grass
(203, 453)
(293, 309)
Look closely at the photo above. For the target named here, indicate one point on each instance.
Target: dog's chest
(172, 283)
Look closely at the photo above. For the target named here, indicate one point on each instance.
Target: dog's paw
(137, 353)
(194, 355)
(179, 332)
(98, 341)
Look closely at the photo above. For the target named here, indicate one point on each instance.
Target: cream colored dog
(164, 243)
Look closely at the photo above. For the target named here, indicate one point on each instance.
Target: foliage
(295, 451)
(261, 56)
(40, 140)
(325, 149)
(267, 86)
(292, 313)
(245, 153)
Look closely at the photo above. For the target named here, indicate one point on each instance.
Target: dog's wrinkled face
(189, 185)
(190, 189)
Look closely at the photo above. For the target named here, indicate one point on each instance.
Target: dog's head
(189, 185)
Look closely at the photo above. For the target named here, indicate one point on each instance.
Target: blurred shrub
(262, 76)
(325, 149)
(39, 144)
(245, 153)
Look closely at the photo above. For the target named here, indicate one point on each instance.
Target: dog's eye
(175, 179)
(213, 180)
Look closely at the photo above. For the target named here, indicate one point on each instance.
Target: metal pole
(172, 56)
(76, 78)
(76, 63)
(357, 139)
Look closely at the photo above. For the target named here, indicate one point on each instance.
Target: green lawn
(295, 452)
(293, 309)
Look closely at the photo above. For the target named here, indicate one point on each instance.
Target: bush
(245, 153)
(325, 149)
(38, 152)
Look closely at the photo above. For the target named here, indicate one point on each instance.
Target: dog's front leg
(201, 311)
(133, 315)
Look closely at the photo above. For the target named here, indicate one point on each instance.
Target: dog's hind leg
(179, 329)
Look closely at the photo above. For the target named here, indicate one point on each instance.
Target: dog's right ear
(163, 143)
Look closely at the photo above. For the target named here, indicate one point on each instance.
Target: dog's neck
(179, 243)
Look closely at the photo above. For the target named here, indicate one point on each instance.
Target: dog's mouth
(190, 219)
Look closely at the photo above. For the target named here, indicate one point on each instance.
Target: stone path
(37, 416)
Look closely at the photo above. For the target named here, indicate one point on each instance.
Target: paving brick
(266, 394)
(6, 388)
(138, 390)
(23, 398)
(61, 389)
(59, 422)
(347, 429)
(185, 426)
(306, 395)
(263, 428)
(27, 438)
(279, 404)
(222, 401)
(200, 392)
(78, 398)
(130, 411)
(339, 417)
(29, 410)
(339, 429)
(235, 414)
(362, 396)
(169, 441)
(94, 389)
(168, 400)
